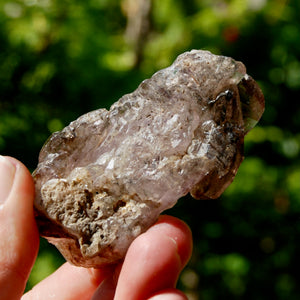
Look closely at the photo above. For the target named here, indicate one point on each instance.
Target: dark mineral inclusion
(106, 177)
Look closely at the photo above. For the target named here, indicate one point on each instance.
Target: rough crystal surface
(106, 177)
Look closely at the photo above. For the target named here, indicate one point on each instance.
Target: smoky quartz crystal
(105, 178)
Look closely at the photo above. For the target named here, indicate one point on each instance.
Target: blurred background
(60, 59)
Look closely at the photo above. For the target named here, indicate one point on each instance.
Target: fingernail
(7, 175)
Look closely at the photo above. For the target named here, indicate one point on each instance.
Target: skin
(150, 269)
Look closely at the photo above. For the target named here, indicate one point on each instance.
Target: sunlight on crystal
(154, 171)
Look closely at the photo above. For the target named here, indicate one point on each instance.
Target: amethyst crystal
(106, 177)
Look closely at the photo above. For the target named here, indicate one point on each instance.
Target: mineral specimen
(106, 177)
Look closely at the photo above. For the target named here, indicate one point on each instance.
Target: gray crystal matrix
(106, 177)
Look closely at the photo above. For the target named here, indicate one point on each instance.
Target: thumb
(19, 239)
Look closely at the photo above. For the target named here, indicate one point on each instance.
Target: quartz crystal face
(106, 177)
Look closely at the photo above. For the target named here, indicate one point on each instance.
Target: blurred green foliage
(60, 59)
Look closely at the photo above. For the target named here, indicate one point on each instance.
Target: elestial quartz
(106, 177)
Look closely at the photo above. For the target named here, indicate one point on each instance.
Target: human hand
(149, 271)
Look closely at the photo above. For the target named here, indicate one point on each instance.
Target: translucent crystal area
(106, 177)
